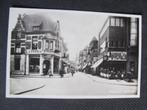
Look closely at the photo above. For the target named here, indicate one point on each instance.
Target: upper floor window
(133, 40)
(133, 32)
(28, 38)
(17, 47)
(12, 50)
(18, 35)
(112, 22)
(116, 21)
(34, 42)
(47, 45)
(36, 28)
(28, 45)
(57, 44)
(40, 37)
(51, 45)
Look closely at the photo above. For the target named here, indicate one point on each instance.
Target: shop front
(34, 64)
(111, 65)
(112, 69)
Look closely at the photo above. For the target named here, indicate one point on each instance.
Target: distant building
(93, 50)
(83, 58)
(36, 45)
(118, 46)
(89, 54)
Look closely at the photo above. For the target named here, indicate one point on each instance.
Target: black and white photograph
(73, 54)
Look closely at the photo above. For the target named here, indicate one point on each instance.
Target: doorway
(46, 66)
(34, 65)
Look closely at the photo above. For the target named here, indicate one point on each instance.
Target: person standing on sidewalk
(61, 72)
(50, 72)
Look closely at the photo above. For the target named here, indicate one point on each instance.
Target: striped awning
(97, 63)
(84, 66)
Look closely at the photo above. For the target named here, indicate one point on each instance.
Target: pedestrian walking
(61, 72)
(72, 71)
(50, 73)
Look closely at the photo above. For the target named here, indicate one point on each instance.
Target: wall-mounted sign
(117, 56)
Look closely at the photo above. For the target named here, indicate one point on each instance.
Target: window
(51, 45)
(132, 66)
(36, 28)
(23, 50)
(117, 23)
(18, 35)
(102, 47)
(40, 37)
(39, 45)
(17, 63)
(133, 40)
(34, 42)
(28, 38)
(133, 37)
(34, 65)
(57, 44)
(112, 23)
(12, 51)
(28, 45)
(121, 22)
(17, 47)
(22, 35)
(47, 45)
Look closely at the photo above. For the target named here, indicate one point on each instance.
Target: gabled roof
(19, 25)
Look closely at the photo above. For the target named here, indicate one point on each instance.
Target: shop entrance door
(46, 66)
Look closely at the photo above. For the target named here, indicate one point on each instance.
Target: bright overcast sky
(77, 28)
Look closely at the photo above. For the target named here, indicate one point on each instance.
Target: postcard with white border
(73, 54)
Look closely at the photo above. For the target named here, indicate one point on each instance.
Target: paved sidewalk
(25, 83)
(113, 81)
(39, 76)
(22, 85)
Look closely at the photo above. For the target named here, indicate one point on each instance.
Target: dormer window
(36, 28)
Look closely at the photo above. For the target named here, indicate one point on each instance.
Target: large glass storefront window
(34, 65)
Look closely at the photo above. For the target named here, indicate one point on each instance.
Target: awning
(65, 61)
(84, 66)
(97, 63)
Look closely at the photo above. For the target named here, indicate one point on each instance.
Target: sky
(77, 27)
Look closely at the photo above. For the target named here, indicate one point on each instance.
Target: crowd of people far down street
(63, 71)
(110, 73)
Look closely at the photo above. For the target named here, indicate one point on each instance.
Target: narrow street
(78, 85)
